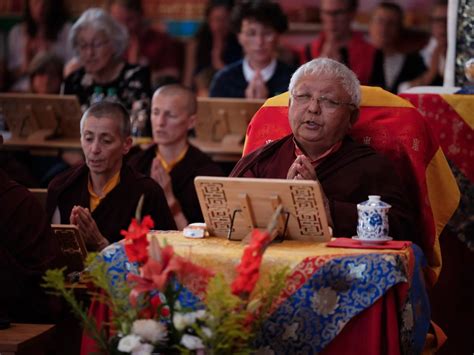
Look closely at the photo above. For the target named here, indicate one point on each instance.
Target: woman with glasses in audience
(259, 75)
(100, 41)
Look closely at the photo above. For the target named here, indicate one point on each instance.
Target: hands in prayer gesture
(256, 89)
(159, 174)
(82, 218)
(302, 169)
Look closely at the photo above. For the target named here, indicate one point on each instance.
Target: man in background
(338, 41)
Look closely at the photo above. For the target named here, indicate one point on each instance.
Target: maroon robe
(347, 176)
(27, 250)
(118, 207)
(194, 163)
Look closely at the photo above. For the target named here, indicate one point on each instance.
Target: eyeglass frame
(95, 45)
(322, 101)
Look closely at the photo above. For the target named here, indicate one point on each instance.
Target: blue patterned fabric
(339, 290)
(416, 314)
(342, 288)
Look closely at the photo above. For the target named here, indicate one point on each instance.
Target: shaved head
(188, 97)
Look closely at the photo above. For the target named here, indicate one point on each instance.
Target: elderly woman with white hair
(324, 104)
(99, 42)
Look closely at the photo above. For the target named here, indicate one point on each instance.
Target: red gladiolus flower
(248, 269)
(136, 243)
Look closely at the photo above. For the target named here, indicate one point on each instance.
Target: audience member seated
(27, 250)
(100, 42)
(101, 195)
(324, 104)
(337, 40)
(45, 28)
(147, 46)
(259, 75)
(434, 54)
(171, 161)
(46, 73)
(214, 45)
(392, 69)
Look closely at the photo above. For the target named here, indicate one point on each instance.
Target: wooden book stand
(232, 207)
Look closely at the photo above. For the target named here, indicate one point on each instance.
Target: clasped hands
(256, 89)
(302, 169)
(82, 218)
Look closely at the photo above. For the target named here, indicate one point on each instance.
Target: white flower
(207, 332)
(143, 349)
(150, 330)
(183, 320)
(179, 321)
(191, 342)
(201, 314)
(129, 343)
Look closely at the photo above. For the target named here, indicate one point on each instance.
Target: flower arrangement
(147, 315)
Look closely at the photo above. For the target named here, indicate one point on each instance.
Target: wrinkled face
(258, 41)
(130, 19)
(37, 10)
(336, 18)
(315, 119)
(46, 83)
(103, 145)
(439, 22)
(170, 119)
(95, 50)
(219, 20)
(384, 28)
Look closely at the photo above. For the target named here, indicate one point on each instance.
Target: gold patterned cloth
(222, 255)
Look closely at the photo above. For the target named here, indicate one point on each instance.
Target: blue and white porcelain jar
(373, 219)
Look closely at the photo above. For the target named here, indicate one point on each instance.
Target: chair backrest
(392, 126)
(218, 117)
(41, 195)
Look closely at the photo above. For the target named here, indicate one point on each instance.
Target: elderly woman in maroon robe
(324, 104)
(101, 195)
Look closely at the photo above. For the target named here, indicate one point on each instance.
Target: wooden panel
(254, 200)
(26, 338)
(72, 246)
(221, 117)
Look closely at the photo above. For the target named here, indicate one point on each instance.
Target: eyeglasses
(96, 45)
(326, 104)
(267, 35)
